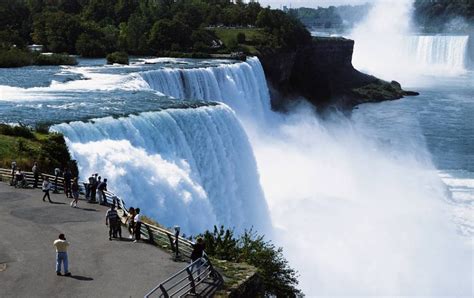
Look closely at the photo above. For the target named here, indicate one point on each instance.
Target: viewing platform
(99, 267)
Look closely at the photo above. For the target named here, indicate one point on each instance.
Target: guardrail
(192, 278)
(181, 247)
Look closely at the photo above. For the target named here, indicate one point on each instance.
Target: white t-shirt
(138, 218)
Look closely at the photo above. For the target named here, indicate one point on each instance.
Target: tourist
(12, 182)
(75, 192)
(20, 180)
(46, 187)
(131, 221)
(138, 224)
(88, 186)
(57, 172)
(35, 171)
(61, 246)
(67, 175)
(102, 188)
(112, 220)
(197, 254)
(93, 186)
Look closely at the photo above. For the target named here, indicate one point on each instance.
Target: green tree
(165, 33)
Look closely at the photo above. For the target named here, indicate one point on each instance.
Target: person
(13, 173)
(20, 180)
(138, 224)
(75, 192)
(102, 188)
(57, 172)
(46, 187)
(61, 246)
(67, 175)
(197, 254)
(93, 187)
(35, 171)
(113, 221)
(131, 221)
(88, 186)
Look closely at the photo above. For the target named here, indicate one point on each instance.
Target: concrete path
(99, 267)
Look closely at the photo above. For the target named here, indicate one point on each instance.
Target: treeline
(94, 28)
(332, 17)
(444, 15)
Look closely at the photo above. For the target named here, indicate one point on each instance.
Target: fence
(5, 175)
(198, 276)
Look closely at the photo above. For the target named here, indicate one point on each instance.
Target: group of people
(133, 222)
(96, 188)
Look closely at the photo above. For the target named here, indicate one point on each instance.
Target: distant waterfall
(192, 167)
(242, 86)
(445, 52)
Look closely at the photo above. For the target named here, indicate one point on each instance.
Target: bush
(241, 37)
(42, 128)
(117, 57)
(54, 59)
(20, 130)
(278, 278)
(14, 57)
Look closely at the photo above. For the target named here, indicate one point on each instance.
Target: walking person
(131, 221)
(196, 255)
(46, 187)
(112, 220)
(102, 188)
(36, 174)
(75, 192)
(138, 225)
(61, 246)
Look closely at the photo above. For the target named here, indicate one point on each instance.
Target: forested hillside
(93, 28)
(444, 15)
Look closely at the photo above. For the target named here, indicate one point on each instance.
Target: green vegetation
(53, 59)
(277, 277)
(332, 17)
(444, 15)
(95, 28)
(117, 57)
(14, 57)
(379, 90)
(250, 38)
(26, 145)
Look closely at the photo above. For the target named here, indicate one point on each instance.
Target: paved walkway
(99, 267)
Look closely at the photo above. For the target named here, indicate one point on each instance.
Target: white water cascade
(242, 86)
(192, 167)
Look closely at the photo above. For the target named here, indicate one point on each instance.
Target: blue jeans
(61, 257)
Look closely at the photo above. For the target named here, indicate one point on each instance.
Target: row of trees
(93, 28)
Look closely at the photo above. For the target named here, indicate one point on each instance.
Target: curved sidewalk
(99, 267)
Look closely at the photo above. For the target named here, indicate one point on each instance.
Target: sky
(310, 3)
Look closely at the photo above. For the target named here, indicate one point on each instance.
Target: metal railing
(199, 276)
(5, 175)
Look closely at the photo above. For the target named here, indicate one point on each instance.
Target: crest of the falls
(242, 86)
(192, 167)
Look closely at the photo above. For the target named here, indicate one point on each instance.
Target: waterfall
(242, 86)
(192, 167)
(445, 52)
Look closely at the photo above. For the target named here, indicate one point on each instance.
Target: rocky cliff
(322, 72)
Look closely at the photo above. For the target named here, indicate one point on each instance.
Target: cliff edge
(322, 72)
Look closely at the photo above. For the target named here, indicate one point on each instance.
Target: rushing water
(381, 201)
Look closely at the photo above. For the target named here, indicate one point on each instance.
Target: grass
(253, 36)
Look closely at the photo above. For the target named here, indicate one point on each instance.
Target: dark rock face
(322, 72)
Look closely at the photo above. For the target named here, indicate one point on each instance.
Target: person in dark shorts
(113, 221)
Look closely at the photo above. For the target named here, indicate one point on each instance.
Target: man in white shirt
(138, 225)
(61, 246)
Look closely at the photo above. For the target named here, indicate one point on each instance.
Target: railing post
(150, 234)
(191, 279)
(163, 290)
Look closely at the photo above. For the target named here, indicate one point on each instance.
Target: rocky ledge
(322, 72)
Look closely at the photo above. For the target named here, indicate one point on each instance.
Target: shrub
(42, 128)
(279, 279)
(54, 59)
(117, 57)
(20, 130)
(241, 37)
(14, 57)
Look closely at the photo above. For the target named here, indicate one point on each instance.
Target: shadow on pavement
(83, 278)
(57, 203)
